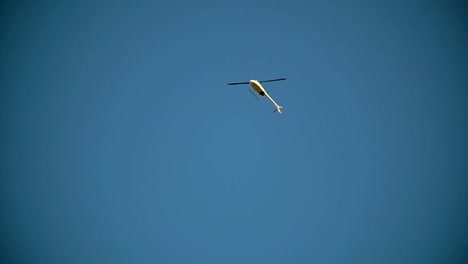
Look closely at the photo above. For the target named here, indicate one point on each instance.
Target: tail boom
(278, 107)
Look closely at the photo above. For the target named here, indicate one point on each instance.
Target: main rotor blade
(236, 83)
(253, 94)
(274, 80)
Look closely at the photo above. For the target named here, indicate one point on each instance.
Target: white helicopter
(256, 85)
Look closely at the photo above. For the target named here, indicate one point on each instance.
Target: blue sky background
(122, 143)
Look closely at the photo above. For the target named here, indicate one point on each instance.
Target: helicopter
(257, 86)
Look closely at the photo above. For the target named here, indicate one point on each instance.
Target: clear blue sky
(122, 143)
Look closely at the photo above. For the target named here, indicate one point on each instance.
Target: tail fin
(278, 109)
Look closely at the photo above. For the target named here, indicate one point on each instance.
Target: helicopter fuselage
(263, 92)
(257, 87)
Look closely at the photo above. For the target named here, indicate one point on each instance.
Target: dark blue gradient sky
(122, 143)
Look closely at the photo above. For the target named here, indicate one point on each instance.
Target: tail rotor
(278, 109)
